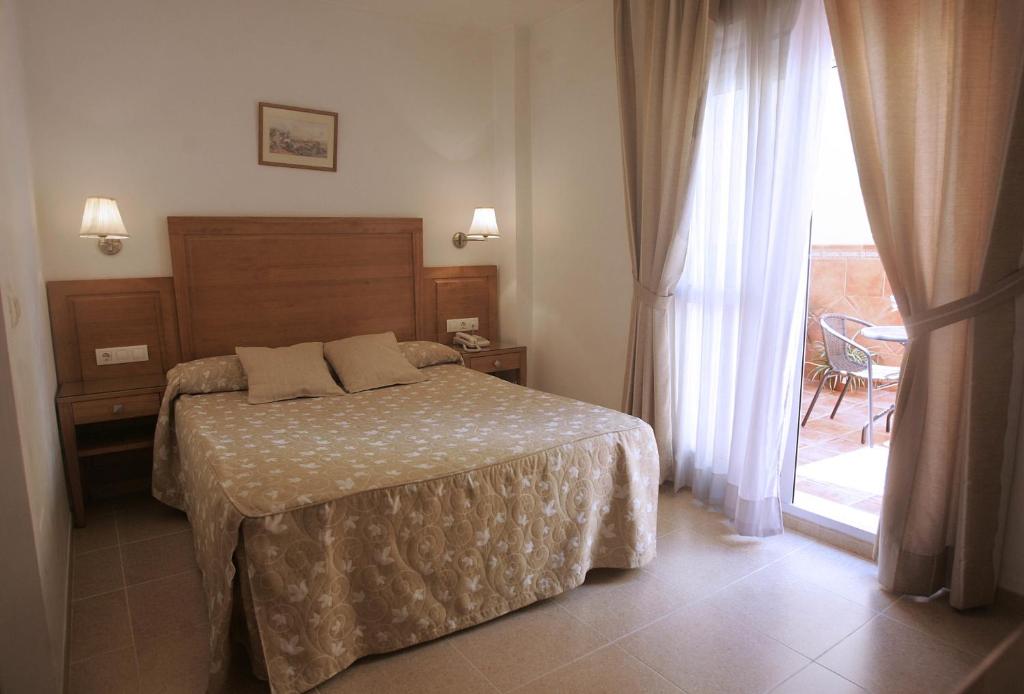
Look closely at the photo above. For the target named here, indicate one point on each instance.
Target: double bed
(331, 528)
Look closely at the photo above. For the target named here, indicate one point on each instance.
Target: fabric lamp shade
(102, 220)
(484, 226)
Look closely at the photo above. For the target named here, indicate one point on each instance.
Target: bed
(333, 528)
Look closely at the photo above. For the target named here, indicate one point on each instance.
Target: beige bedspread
(378, 520)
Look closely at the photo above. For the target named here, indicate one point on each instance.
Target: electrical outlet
(463, 325)
(122, 355)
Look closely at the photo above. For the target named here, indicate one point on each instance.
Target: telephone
(471, 343)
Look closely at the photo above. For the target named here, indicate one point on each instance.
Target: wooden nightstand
(504, 361)
(101, 419)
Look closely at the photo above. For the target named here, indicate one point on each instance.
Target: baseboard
(854, 545)
(66, 685)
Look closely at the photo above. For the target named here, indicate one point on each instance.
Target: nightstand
(102, 419)
(504, 361)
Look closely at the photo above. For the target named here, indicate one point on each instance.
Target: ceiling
(482, 14)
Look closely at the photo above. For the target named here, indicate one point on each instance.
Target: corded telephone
(471, 343)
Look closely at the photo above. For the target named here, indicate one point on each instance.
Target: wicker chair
(848, 359)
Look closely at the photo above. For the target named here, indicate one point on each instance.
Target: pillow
(209, 375)
(284, 373)
(370, 361)
(422, 353)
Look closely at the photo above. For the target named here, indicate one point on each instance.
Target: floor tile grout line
(474, 667)
(134, 585)
(934, 637)
(128, 607)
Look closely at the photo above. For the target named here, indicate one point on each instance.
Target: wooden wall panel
(86, 315)
(459, 292)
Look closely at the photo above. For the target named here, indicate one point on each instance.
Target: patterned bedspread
(378, 520)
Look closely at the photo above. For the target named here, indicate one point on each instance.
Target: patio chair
(848, 359)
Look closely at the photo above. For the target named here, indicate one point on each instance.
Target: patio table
(885, 333)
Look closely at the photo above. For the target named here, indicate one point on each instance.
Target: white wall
(582, 286)
(154, 103)
(34, 518)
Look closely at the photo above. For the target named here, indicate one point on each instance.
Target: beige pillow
(284, 373)
(370, 361)
(421, 353)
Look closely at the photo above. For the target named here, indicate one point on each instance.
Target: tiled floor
(713, 613)
(823, 439)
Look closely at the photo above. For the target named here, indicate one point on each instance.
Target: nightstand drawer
(109, 409)
(495, 362)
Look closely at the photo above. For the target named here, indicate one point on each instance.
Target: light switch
(463, 325)
(122, 355)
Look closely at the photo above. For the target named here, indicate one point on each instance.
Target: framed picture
(302, 138)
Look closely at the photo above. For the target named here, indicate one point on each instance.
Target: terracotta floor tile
(701, 649)
(886, 656)
(96, 572)
(526, 644)
(99, 625)
(166, 605)
(109, 673)
(432, 668)
(607, 671)
(99, 533)
(167, 555)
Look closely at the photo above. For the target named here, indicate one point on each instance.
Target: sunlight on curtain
(739, 310)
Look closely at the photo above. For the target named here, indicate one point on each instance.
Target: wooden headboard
(273, 281)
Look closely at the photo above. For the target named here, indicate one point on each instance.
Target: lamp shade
(484, 226)
(102, 220)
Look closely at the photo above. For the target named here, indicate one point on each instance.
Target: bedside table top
(493, 347)
(89, 389)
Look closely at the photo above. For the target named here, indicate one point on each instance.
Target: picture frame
(298, 138)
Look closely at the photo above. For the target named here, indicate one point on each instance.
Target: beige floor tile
(976, 631)
(174, 663)
(99, 533)
(701, 649)
(886, 656)
(814, 679)
(526, 644)
(166, 605)
(146, 518)
(803, 616)
(96, 572)
(696, 562)
(680, 510)
(99, 625)
(432, 668)
(617, 601)
(110, 673)
(607, 671)
(147, 560)
(848, 575)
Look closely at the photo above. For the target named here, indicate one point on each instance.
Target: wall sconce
(102, 220)
(484, 227)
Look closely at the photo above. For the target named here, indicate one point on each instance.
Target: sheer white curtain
(739, 305)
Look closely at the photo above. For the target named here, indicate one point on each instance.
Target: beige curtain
(662, 51)
(932, 94)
